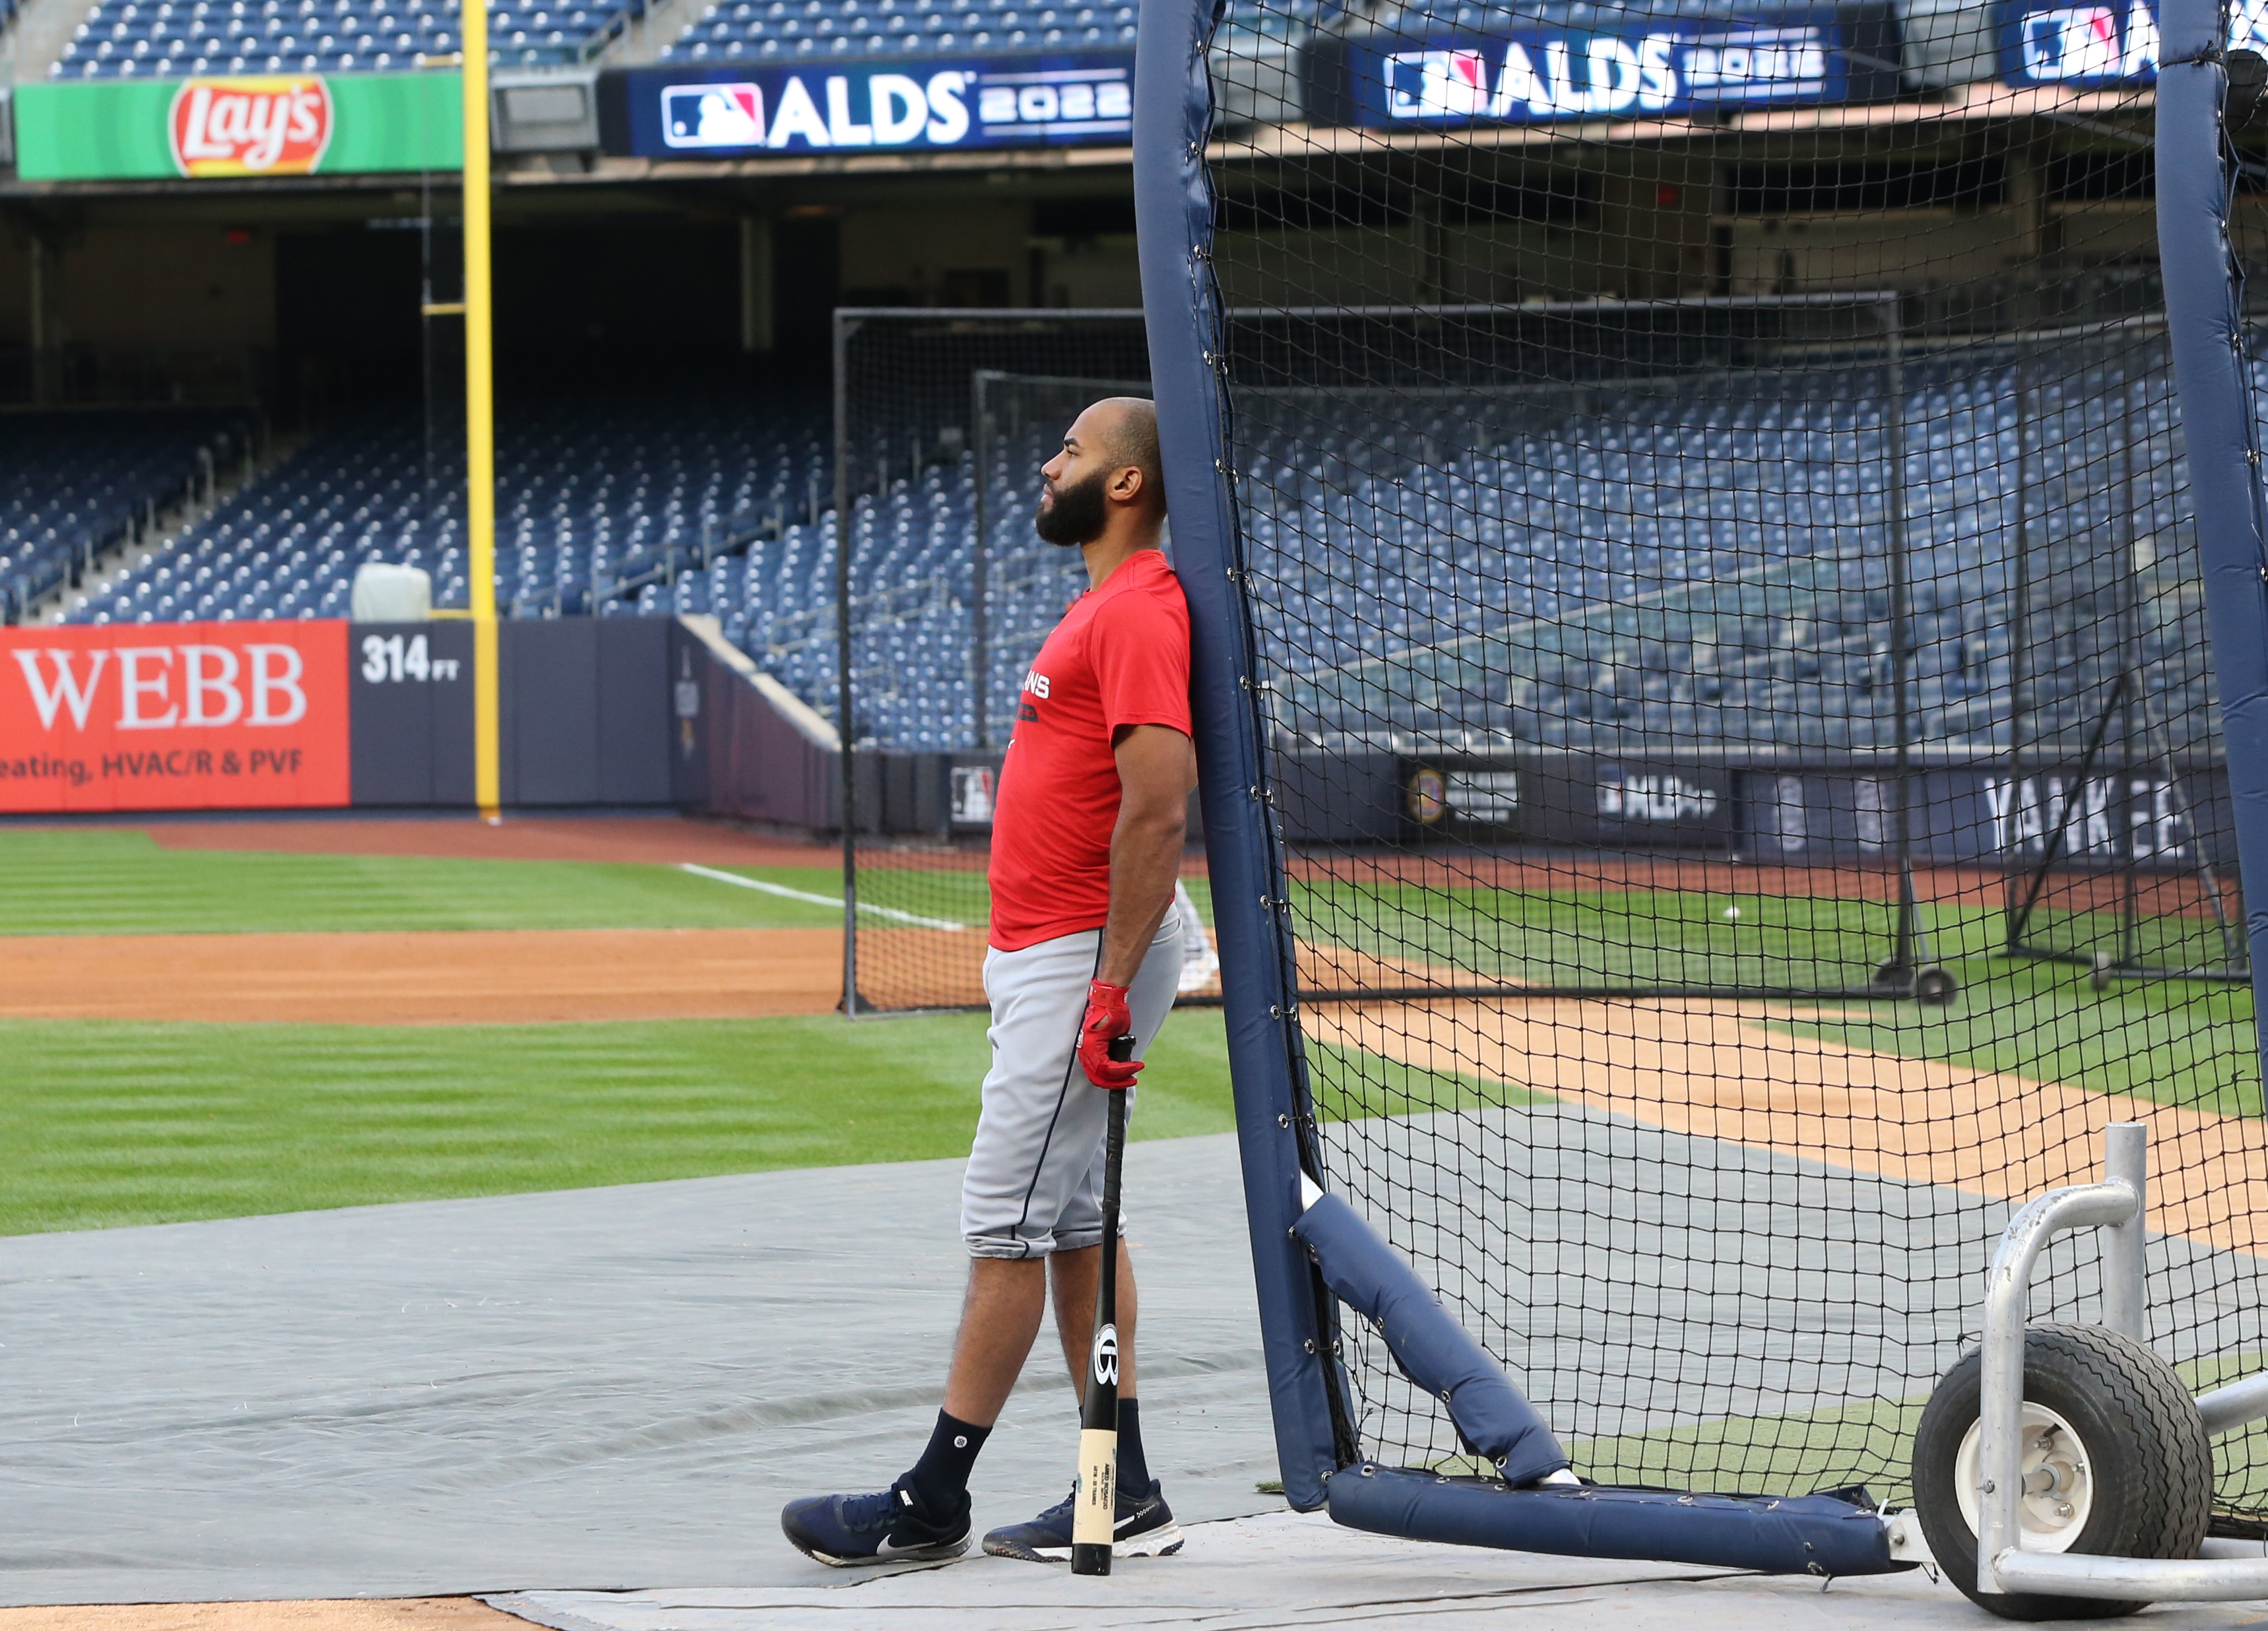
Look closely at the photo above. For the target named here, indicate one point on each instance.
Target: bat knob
(1121, 1048)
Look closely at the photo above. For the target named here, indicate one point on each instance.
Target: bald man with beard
(1082, 947)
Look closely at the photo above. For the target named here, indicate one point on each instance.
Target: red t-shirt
(1120, 656)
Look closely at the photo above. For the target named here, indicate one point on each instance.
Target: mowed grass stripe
(122, 1123)
(109, 1123)
(118, 881)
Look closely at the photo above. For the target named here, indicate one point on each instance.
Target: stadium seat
(588, 496)
(1662, 566)
(70, 485)
(162, 38)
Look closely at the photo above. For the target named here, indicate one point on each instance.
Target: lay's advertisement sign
(238, 126)
(175, 716)
(269, 125)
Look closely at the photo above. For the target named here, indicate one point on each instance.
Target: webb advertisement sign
(174, 716)
(239, 125)
(744, 111)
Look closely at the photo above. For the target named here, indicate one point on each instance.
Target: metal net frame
(1675, 549)
(944, 596)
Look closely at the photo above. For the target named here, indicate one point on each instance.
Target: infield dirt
(413, 1614)
(475, 977)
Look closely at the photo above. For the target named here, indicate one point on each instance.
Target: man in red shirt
(1086, 840)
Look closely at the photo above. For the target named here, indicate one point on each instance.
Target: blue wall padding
(1777, 1535)
(1434, 1351)
(2207, 330)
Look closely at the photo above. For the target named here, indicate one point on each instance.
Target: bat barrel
(1094, 1511)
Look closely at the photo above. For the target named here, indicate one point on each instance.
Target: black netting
(1735, 691)
(946, 419)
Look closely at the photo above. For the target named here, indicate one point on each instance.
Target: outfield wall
(323, 713)
(664, 713)
(1844, 808)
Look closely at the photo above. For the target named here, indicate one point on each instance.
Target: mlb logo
(712, 116)
(2080, 42)
(1437, 85)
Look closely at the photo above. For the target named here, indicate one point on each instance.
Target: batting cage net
(943, 420)
(1735, 710)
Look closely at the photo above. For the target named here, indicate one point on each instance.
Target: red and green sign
(239, 125)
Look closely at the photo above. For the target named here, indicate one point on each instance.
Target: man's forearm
(1146, 854)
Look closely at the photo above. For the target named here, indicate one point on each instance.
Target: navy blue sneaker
(1146, 1529)
(886, 1528)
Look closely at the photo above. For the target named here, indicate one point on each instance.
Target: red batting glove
(1106, 1021)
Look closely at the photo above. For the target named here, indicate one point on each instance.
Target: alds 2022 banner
(174, 716)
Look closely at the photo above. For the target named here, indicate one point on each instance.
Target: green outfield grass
(2178, 1042)
(104, 1123)
(108, 1123)
(1868, 1440)
(108, 880)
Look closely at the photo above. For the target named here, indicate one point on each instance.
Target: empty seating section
(587, 496)
(1680, 564)
(1697, 569)
(72, 484)
(730, 30)
(913, 610)
(170, 39)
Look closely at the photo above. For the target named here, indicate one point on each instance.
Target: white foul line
(786, 893)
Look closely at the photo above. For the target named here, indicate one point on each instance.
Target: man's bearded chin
(1076, 517)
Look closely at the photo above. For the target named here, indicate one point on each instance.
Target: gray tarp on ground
(1282, 1571)
(609, 1387)
(618, 1387)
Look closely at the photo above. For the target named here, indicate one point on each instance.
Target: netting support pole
(1174, 220)
(980, 577)
(2020, 623)
(847, 749)
(2205, 314)
(1906, 951)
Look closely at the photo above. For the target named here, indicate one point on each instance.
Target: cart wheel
(2115, 1463)
(2098, 976)
(1935, 985)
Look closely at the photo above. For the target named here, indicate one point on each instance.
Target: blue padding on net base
(1774, 1535)
(1434, 1350)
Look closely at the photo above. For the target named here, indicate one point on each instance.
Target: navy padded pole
(2204, 317)
(1775, 1534)
(1434, 1351)
(1174, 219)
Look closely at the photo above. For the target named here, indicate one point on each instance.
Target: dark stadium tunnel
(578, 304)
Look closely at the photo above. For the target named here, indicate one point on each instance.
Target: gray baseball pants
(1034, 1180)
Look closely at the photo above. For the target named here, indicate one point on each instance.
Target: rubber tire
(2098, 972)
(2135, 1419)
(1934, 986)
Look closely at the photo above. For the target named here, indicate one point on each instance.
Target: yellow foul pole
(480, 410)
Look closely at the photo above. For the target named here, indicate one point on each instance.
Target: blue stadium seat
(71, 485)
(588, 494)
(160, 39)
(1663, 565)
